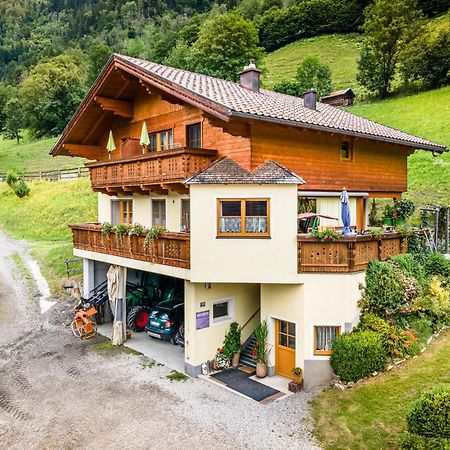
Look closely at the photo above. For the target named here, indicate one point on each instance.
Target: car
(165, 320)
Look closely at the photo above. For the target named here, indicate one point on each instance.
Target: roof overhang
(291, 123)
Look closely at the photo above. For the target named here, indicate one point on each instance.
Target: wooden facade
(170, 249)
(347, 254)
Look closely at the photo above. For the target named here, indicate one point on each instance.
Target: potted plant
(220, 361)
(232, 344)
(260, 351)
(297, 374)
(297, 380)
(388, 215)
(404, 208)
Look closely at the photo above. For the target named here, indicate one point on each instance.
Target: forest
(51, 51)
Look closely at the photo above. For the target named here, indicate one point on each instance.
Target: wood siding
(315, 156)
(350, 254)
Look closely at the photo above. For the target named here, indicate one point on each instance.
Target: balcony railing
(140, 172)
(170, 249)
(346, 254)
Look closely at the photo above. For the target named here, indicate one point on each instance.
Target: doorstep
(162, 352)
(275, 382)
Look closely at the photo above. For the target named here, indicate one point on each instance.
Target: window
(286, 334)
(158, 213)
(185, 215)
(346, 150)
(237, 217)
(194, 135)
(324, 338)
(122, 212)
(222, 310)
(163, 140)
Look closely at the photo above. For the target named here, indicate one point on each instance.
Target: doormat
(239, 381)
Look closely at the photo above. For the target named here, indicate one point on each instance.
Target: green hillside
(340, 51)
(33, 155)
(424, 115)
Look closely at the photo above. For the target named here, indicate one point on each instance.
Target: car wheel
(173, 339)
(137, 318)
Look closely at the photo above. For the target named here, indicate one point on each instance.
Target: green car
(165, 320)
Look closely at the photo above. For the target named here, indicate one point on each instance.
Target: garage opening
(155, 314)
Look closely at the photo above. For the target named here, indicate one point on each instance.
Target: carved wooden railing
(347, 254)
(168, 166)
(170, 249)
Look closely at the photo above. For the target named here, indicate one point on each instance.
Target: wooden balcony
(170, 249)
(152, 172)
(347, 254)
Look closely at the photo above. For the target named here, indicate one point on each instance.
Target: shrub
(430, 414)
(409, 441)
(21, 189)
(232, 341)
(436, 264)
(423, 327)
(401, 343)
(410, 267)
(383, 294)
(12, 178)
(357, 355)
(372, 322)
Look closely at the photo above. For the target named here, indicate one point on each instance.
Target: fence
(52, 175)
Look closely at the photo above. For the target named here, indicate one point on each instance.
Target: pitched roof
(230, 99)
(341, 92)
(227, 171)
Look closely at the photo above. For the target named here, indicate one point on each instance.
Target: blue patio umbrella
(345, 213)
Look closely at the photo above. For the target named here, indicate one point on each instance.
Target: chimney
(249, 77)
(309, 99)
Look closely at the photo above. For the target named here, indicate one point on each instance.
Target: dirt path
(57, 392)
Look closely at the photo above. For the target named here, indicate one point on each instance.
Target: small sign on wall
(202, 320)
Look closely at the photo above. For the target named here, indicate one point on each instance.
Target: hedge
(357, 355)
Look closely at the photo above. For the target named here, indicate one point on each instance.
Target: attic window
(346, 150)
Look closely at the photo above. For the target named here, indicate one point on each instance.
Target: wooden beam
(97, 123)
(153, 188)
(179, 188)
(85, 151)
(118, 107)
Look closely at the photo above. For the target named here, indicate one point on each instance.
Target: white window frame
(224, 319)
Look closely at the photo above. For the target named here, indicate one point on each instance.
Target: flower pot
(261, 370)
(235, 359)
(297, 379)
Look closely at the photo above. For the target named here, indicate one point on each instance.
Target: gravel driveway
(57, 392)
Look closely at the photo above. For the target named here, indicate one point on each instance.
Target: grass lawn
(340, 51)
(33, 155)
(372, 414)
(426, 115)
(42, 219)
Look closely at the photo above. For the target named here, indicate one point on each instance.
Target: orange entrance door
(284, 348)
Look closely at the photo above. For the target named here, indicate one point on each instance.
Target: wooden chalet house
(226, 169)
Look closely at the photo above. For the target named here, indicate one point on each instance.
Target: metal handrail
(248, 321)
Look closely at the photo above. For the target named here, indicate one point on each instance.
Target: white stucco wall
(201, 345)
(331, 206)
(246, 259)
(142, 212)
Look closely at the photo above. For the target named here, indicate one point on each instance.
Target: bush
(410, 267)
(357, 355)
(401, 343)
(21, 189)
(409, 441)
(232, 341)
(436, 264)
(423, 327)
(430, 414)
(383, 294)
(372, 322)
(12, 178)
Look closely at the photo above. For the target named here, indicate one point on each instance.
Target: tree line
(52, 51)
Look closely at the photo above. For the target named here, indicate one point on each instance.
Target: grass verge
(42, 219)
(107, 346)
(174, 375)
(372, 414)
(23, 269)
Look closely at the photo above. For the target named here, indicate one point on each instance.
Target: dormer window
(194, 135)
(346, 150)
